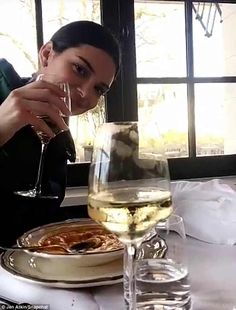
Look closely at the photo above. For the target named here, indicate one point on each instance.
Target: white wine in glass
(129, 190)
(44, 139)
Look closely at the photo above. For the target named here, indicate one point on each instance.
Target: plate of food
(81, 241)
(52, 273)
(98, 261)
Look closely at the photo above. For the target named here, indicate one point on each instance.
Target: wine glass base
(32, 193)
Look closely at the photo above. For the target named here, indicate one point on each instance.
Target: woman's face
(89, 71)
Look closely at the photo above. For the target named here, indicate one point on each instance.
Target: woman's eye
(81, 70)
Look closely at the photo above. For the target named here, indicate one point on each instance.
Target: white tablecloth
(212, 271)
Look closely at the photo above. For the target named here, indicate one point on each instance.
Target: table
(212, 271)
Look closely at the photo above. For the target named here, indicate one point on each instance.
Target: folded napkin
(208, 210)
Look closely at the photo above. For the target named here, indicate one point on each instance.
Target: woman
(87, 56)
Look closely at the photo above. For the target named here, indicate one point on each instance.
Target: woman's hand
(24, 105)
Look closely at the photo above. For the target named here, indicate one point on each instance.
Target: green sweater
(9, 79)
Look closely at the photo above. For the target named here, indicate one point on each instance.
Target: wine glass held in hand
(44, 138)
(129, 189)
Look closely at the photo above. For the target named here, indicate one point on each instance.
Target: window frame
(121, 101)
(192, 166)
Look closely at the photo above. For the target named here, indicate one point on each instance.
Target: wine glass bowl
(129, 189)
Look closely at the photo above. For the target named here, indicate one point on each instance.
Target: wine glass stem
(38, 185)
(130, 254)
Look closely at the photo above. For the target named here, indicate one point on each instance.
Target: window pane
(166, 106)
(160, 38)
(215, 119)
(18, 35)
(214, 44)
(56, 14)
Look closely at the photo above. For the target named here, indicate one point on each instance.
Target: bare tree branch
(20, 46)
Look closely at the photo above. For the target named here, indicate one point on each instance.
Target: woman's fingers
(26, 104)
(25, 114)
(45, 124)
(46, 92)
(14, 116)
(39, 103)
(43, 110)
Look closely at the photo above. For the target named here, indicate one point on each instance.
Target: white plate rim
(58, 283)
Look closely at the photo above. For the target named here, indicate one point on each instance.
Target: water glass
(162, 281)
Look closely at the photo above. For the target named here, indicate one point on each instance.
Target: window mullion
(110, 15)
(129, 75)
(190, 75)
(39, 23)
(118, 15)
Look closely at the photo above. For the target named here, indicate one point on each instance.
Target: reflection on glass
(215, 112)
(165, 105)
(215, 55)
(160, 38)
(83, 129)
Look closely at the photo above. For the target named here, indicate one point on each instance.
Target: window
(178, 69)
(186, 74)
(20, 50)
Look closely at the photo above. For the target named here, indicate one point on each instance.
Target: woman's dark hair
(86, 32)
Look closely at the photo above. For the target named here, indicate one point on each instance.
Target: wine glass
(44, 139)
(129, 190)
